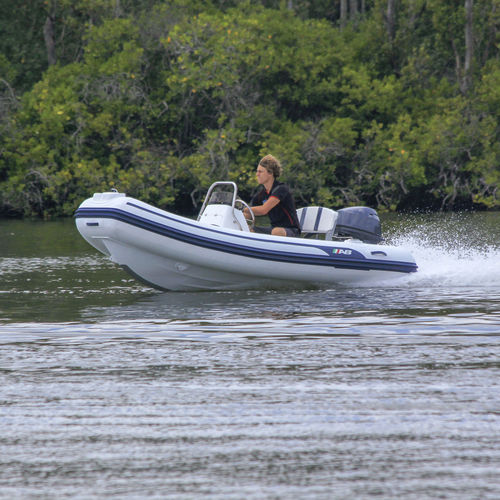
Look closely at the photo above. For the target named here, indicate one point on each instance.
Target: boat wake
(451, 261)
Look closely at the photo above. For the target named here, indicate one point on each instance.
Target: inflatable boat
(219, 251)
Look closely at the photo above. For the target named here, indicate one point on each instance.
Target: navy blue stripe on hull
(342, 262)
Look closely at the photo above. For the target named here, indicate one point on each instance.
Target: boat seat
(317, 220)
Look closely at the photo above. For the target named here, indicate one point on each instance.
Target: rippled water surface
(109, 389)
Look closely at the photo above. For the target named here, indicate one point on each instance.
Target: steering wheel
(251, 221)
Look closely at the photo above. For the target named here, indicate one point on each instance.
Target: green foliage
(160, 99)
(316, 157)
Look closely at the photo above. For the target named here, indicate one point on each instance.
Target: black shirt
(284, 213)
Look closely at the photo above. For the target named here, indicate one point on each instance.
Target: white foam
(451, 260)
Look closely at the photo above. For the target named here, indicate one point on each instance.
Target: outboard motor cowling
(361, 223)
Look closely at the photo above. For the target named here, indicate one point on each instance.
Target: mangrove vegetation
(393, 104)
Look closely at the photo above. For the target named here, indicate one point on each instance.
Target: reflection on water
(111, 389)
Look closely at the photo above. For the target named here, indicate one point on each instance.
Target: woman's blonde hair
(272, 165)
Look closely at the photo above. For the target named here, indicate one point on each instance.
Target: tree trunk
(118, 9)
(469, 44)
(353, 8)
(390, 19)
(343, 13)
(49, 33)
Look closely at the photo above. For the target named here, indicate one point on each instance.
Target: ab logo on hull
(341, 251)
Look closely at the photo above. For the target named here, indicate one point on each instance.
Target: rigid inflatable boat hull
(171, 252)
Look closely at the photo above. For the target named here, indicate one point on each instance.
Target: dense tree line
(390, 103)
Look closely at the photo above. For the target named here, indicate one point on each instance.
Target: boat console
(223, 208)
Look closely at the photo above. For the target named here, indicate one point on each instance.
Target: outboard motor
(361, 223)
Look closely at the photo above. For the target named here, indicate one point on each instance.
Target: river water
(109, 389)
